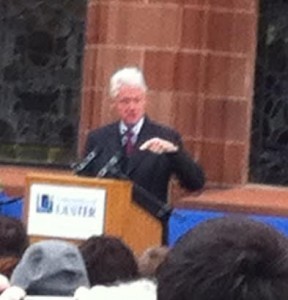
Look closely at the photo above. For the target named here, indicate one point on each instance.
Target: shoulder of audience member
(4, 283)
(139, 289)
(13, 293)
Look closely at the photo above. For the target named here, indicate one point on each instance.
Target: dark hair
(8, 264)
(229, 258)
(13, 237)
(108, 259)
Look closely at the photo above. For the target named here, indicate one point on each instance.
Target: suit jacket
(149, 171)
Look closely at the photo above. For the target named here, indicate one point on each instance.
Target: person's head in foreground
(230, 258)
(108, 259)
(50, 267)
(13, 242)
(13, 237)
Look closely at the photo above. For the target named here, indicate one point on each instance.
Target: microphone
(78, 168)
(111, 165)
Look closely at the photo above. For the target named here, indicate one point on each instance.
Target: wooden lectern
(122, 217)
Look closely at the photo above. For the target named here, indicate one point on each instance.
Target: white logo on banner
(65, 206)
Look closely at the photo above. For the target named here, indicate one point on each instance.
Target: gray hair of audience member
(230, 258)
(151, 259)
(128, 76)
(50, 267)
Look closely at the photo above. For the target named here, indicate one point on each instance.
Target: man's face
(130, 104)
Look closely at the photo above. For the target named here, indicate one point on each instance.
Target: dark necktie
(129, 146)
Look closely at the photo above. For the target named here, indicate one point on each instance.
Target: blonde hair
(131, 76)
(151, 259)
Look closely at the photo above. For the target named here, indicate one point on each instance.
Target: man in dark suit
(152, 153)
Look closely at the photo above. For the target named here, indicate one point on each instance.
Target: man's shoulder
(161, 128)
(103, 130)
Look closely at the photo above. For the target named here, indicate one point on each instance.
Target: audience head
(230, 258)
(13, 237)
(8, 264)
(50, 267)
(13, 242)
(128, 91)
(151, 259)
(108, 259)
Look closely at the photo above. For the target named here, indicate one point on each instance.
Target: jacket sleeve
(189, 173)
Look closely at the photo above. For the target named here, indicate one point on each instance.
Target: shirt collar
(135, 128)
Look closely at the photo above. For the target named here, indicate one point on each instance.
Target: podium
(74, 208)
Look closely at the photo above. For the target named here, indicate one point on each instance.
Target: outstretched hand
(159, 146)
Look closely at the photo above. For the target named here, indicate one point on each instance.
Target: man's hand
(159, 146)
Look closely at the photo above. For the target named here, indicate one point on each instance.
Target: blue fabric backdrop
(182, 220)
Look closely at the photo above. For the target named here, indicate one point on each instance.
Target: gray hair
(130, 76)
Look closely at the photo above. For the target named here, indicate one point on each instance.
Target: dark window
(269, 147)
(40, 80)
